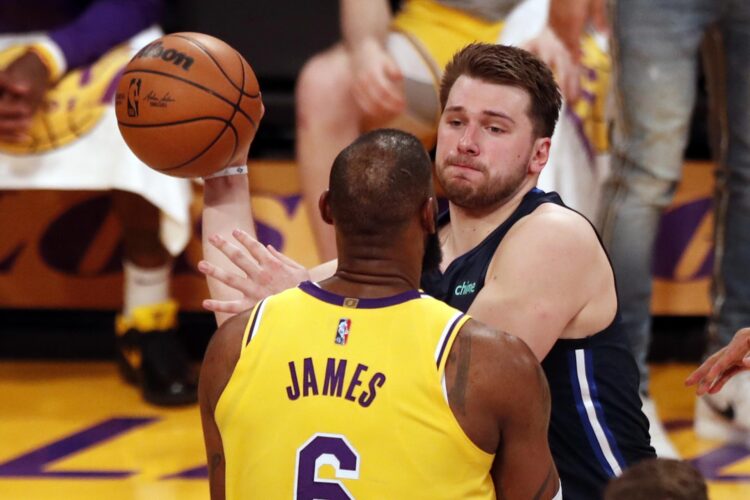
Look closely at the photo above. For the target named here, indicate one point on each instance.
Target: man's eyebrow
(487, 112)
(498, 114)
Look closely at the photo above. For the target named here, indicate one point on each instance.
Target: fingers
(717, 384)
(699, 374)
(284, 259)
(15, 119)
(231, 280)
(379, 92)
(227, 306)
(235, 254)
(11, 85)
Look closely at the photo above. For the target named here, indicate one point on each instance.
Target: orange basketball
(187, 103)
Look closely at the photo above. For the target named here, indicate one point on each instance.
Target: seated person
(59, 67)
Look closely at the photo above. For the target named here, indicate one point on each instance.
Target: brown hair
(658, 478)
(505, 65)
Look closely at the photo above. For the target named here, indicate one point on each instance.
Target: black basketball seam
(210, 56)
(167, 124)
(218, 136)
(196, 85)
(236, 107)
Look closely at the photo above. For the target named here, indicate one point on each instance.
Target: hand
(267, 271)
(722, 365)
(377, 88)
(567, 72)
(568, 19)
(23, 85)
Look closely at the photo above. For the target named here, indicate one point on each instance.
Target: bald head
(379, 183)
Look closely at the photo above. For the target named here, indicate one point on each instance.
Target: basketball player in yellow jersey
(363, 387)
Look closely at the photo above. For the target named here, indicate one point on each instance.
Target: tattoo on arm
(545, 483)
(217, 460)
(457, 393)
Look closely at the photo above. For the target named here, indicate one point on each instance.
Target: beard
(433, 254)
(486, 195)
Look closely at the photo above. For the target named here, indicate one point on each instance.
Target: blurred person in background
(60, 62)
(387, 69)
(656, 46)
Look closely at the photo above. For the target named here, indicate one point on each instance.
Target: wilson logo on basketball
(156, 50)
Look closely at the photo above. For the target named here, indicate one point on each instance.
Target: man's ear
(325, 208)
(428, 215)
(540, 154)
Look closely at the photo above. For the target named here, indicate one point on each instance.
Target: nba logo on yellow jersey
(342, 332)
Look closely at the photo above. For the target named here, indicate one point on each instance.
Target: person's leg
(726, 415)
(655, 51)
(148, 350)
(328, 120)
(732, 277)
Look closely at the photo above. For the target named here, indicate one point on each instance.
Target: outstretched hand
(722, 365)
(267, 271)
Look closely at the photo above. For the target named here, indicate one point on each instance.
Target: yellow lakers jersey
(336, 397)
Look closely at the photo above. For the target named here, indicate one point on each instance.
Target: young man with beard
(364, 373)
(514, 257)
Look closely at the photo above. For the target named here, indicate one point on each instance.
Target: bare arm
(499, 395)
(549, 279)
(568, 19)
(363, 19)
(221, 356)
(226, 207)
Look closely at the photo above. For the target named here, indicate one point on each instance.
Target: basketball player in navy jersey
(515, 258)
(407, 441)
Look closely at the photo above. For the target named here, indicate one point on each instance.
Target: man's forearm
(226, 206)
(364, 19)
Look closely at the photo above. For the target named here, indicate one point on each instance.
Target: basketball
(187, 103)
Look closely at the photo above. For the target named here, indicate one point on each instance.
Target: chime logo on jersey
(342, 332)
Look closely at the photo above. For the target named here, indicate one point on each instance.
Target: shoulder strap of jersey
(253, 323)
(447, 337)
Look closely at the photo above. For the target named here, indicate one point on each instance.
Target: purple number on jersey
(320, 450)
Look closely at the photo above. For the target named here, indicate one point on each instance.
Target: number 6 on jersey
(325, 449)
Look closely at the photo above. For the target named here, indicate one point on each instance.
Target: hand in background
(722, 365)
(377, 88)
(23, 85)
(548, 47)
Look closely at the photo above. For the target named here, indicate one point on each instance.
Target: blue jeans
(656, 46)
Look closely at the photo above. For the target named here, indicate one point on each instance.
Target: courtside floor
(75, 431)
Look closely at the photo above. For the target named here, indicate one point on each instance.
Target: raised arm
(226, 207)
(499, 394)
(549, 279)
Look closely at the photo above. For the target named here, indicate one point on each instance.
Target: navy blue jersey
(597, 427)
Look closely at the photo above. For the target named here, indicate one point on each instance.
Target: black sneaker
(150, 355)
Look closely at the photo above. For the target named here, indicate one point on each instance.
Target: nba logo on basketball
(342, 332)
(133, 92)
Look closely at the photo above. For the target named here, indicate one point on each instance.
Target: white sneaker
(725, 416)
(659, 439)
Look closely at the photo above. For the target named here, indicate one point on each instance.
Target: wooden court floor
(73, 430)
